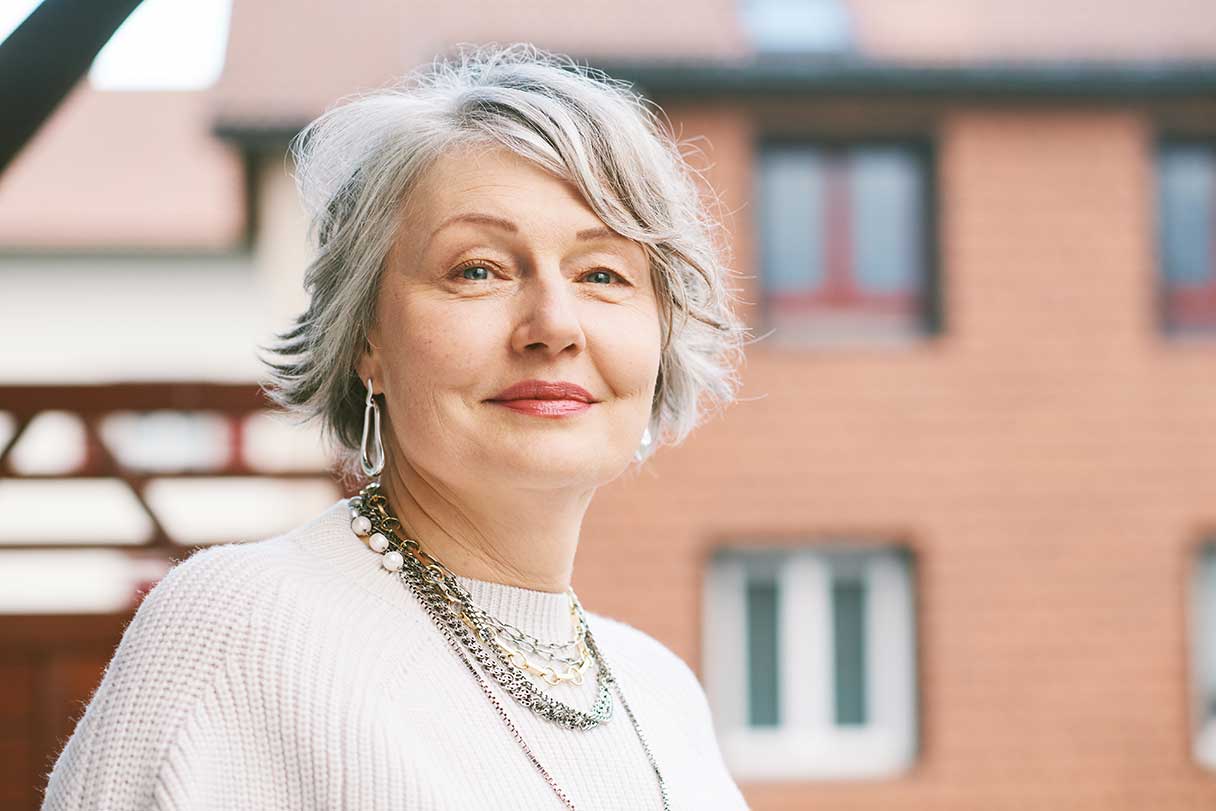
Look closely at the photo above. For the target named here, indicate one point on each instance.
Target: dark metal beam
(44, 58)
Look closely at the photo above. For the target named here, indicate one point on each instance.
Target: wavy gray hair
(357, 162)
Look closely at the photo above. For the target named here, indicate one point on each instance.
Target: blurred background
(956, 546)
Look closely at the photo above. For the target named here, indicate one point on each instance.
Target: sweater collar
(329, 538)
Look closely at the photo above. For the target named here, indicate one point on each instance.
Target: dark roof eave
(256, 137)
(849, 77)
(853, 77)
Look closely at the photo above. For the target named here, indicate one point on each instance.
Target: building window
(1186, 178)
(810, 661)
(797, 26)
(1203, 655)
(845, 240)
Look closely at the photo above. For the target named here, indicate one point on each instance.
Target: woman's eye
(602, 276)
(475, 273)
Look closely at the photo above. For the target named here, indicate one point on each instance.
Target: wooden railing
(234, 402)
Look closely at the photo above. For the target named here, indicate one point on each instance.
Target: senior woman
(517, 293)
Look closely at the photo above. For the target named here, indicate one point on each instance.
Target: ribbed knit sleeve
(168, 658)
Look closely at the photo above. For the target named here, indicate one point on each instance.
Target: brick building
(952, 550)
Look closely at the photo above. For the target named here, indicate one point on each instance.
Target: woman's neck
(523, 538)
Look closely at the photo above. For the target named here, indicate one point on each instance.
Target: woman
(516, 294)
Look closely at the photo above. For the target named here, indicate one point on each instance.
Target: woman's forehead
(488, 173)
(498, 191)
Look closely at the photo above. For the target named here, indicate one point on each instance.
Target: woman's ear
(368, 365)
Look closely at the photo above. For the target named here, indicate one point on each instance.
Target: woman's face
(500, 274)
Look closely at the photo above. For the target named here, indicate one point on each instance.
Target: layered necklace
(501, 649)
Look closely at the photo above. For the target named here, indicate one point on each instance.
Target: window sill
(840, 754)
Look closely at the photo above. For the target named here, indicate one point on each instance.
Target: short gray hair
(358, 162)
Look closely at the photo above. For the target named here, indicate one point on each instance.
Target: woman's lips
(545, 408)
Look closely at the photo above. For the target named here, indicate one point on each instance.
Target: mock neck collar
(329, 538)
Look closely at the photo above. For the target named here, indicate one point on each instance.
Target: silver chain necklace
(554, 652)
(451, 609)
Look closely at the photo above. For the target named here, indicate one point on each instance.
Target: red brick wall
(1050, 460)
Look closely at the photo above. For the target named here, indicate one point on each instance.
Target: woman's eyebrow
(599, 232)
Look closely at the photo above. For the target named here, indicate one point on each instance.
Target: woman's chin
(559, 462)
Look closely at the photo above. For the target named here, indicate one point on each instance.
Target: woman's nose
(548, 319)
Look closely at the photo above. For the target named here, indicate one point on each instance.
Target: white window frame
(807, 744)
(1203, 655)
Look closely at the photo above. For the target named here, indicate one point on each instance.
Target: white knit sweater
(297, 673)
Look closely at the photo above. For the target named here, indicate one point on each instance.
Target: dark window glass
(1186, 184)
(849, 647)
(763, 700)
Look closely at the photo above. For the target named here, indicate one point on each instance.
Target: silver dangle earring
(640, 453)
(371, 412)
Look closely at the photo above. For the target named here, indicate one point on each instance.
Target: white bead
(392, 560)
(378, 542)
(361, 525)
